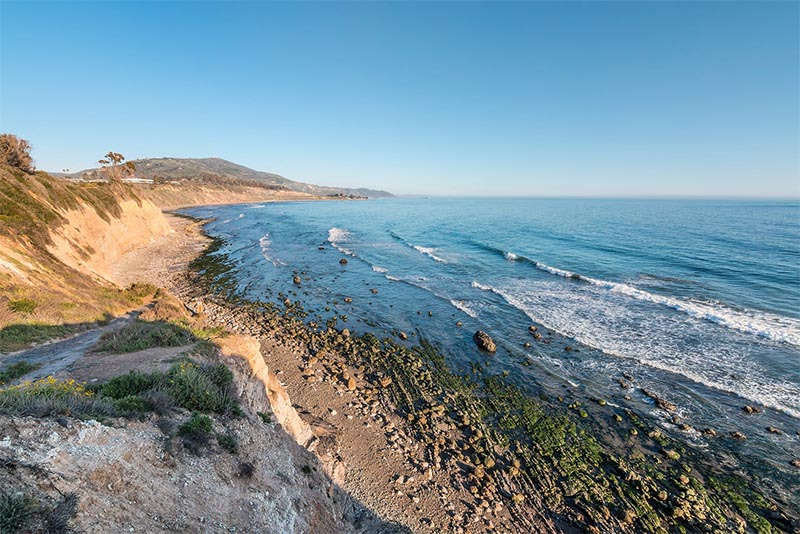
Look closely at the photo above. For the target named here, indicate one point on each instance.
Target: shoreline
(466, 468)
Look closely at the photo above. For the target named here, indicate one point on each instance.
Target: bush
(193, 390)
(139, 291)
(228, 442)
(133, 405)
(195, 433)
(140, 335)
(133, 383)
(49, 396)
(16, 152)
(15, 512)
(196, 423)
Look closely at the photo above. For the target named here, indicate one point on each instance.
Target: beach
(410, 439)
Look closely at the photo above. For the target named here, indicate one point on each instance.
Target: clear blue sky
(571, 98)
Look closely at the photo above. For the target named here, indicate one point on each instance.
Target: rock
(345, 332)
(773, 430)
(537, 335)
(750, 409)
(661, 403)
(459, 324)
(532, 329)
(568, 349)
(374, 291)
(709, 432)
(484, 341)
(296, 280)
(402, 335)
(795, 462)
(738, 435)
(321, 248)
(348, 300)
(351, 383)
(662, 495)
(527, 345)
(430, 313)
(385, 381)
(343, 261)
(517, 498)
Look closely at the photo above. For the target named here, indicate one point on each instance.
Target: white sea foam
(265, 243)
(510, 256)
(464, 307)
(379, 269)
(337, 236)
(685, 346)
(429, 252)
(766, 325)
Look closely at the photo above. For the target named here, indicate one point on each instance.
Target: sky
(644, 98)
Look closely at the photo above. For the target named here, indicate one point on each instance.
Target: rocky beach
(433, 450)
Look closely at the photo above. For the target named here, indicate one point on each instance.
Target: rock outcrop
(484, 341)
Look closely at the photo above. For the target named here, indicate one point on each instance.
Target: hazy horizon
(607, 100)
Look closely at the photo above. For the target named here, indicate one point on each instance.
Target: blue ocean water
(696, 300)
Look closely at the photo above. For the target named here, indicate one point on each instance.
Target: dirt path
(58, 356)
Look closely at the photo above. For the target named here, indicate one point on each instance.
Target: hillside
(56, 242)
(217, 169)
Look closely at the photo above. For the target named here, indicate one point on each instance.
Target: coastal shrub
(139, 291)
(265, 417)
(16, 370)
(50, 396)
(140, 335)
(23, 305)
(15, 511)
(56, 519)
(133, 405)
(228, 442)
(129, 384)
(195, 432)
(192, 388)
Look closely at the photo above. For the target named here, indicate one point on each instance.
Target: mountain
(218, 169)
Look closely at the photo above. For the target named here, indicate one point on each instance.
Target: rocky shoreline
(434, 450)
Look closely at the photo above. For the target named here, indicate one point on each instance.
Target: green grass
(15, 512)
(140, 335)
(16, 370)
(23, 305)
(19, 336)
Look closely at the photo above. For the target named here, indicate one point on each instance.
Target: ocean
(697, 301)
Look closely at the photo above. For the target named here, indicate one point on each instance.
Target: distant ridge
(216, 168)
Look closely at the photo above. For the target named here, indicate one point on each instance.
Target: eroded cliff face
(90, 243)
(136, 476)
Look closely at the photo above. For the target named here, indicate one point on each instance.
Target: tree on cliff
(16, 152)
(115, 167)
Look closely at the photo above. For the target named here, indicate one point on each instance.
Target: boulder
(484, 341)
(343, 261)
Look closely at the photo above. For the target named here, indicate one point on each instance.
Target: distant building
(135, 180)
